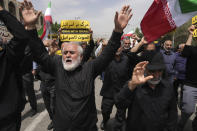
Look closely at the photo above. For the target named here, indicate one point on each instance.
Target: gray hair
(80, 49)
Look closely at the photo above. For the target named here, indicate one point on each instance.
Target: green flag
(188, 5)
(40, 32)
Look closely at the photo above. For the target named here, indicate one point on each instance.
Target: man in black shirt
(116, 74)
(150, 100)
(11, 54)
(75, 108)
(189, 99)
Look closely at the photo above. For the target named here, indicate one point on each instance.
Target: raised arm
(140, 44)
(121, 20)
(89, 48)
(37, 47)
(188, 49)
(191, 30)
(17, 44)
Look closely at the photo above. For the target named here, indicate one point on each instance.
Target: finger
(26, 4)
(193, 27)
(30, 4)
(141, 64)
(116, 17)
(22, 5)
(130, 16)
(145, 64)
(129, 11)
(122, 10)
(127, 8)
(148, 78)
(136, 69)
(21, 9)
(38, 14)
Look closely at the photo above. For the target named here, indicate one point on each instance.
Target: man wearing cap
(150, 100)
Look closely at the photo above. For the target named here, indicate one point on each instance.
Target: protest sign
(194, 20)
(75, 30)
(75, 24)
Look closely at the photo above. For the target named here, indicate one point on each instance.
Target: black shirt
(11, 55)
(190, 52)
(116, 74)
(75, 108)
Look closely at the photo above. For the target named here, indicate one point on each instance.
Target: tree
(138, 32)
(178, 36)
(55, 27)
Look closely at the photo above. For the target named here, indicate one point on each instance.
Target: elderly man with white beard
(75, 108)
(72, 55)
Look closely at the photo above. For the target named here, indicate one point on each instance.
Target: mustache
(68, 60)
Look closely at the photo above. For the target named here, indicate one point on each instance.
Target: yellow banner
(75, 37)
(75, 24)
(195, 33)
(80, 31)
(194, 20)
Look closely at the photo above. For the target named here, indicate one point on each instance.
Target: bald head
(168, 45)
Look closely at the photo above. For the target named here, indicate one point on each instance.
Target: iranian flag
(47, 23)
(166, 15)
(129, 34)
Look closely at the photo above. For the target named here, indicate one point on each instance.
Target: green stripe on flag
(40, 32)
(188, 5)
(49, 5)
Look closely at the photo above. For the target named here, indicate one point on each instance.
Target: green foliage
(180, 35)
(138, 32)
(55, 27)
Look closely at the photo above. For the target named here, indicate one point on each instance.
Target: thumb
(116, 17)
(38, 14)
(148, 78)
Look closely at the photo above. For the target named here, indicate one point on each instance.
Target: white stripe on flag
(178, 17)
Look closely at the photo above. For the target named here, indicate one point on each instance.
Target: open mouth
(68, 61)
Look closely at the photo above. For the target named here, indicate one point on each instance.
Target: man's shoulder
(167, 85)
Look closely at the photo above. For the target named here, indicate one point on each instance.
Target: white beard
(73, 66)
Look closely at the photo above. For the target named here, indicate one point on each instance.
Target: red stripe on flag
(44, 31)
(155, 22)
(48, 18)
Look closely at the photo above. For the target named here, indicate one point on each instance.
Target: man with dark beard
(75, 108)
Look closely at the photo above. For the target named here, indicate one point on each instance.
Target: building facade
(13, 7)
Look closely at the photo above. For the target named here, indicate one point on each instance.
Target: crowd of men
(141, 79)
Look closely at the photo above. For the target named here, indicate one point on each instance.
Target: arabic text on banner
(75, 24)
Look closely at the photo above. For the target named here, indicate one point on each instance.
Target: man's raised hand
(138, 75)
(191, 29)
(30, 17)
(122, 18)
